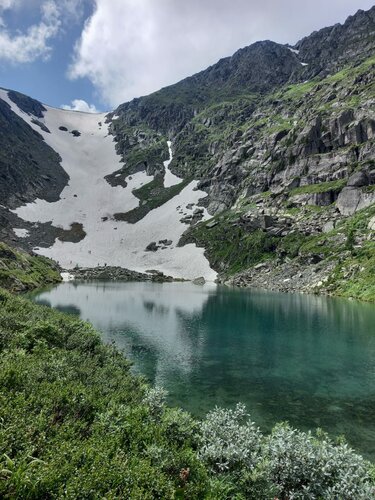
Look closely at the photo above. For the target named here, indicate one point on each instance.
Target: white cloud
(35, 42)
(80, 105)
(130, 48)
(32, 44)
(8, 4)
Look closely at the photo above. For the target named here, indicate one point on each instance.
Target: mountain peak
(329, 49)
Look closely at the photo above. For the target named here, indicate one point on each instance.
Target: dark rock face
(152, 247)
(257, 68)
(27, 104)
(328, 50)
(29, 168)
(359, 179)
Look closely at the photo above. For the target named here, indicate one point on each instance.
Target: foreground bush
(75, 423)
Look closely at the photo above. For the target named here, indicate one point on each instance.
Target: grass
(322, 187)
(298, 90)
(229, 247)
(354, 277)
(354, 274)
(20, 271)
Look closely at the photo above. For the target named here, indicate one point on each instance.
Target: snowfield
(90, 200)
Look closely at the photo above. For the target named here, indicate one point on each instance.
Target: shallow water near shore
(302, 358)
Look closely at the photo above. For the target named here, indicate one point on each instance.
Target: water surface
(306, 359)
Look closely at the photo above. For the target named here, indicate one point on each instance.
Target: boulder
(152, 247)
(358, 179)
(211, 224)
(352, 199)
(348, 200)
(199, 281)
(328, 226)
(371, 224)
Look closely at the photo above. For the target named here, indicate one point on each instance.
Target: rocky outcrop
(327, 50)
(290, 277)
(113, 273)
(351, 199)
(29, 168)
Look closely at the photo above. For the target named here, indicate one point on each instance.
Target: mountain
(259, 170)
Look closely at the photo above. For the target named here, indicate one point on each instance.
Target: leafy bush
(303, 466)
(288, 464)
(228, 440)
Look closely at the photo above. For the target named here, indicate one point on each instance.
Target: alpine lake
(306, 359)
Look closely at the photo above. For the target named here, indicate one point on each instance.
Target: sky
(92, 55)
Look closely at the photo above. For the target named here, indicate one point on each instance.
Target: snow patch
(21, 233)
(169, 178)
(67, 276)
(295, 51)
(87, 159)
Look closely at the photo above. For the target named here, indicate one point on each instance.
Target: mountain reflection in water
(302, 358)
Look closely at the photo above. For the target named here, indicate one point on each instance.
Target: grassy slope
(72, 419)
(152, 195)
(231, 248)
(20, 271)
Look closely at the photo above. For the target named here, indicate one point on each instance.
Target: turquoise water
(306, 359)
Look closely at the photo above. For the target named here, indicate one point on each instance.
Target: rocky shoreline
(116, 273)
(289, 277)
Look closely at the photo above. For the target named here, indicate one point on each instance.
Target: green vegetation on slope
(152, 195)
(20, 271)
(75, 423)
(229, 247)
(286, 110)
(232, 247)
(322, 187)
(354, 275)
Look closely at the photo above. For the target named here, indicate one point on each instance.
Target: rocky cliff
(29, 169)
(282, 140)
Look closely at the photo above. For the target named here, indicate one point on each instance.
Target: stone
(152, 247)
(348, 200)
(211, 224)
(198, 211)
(352, 199)
(328, 226)
(266, 221)
(371, 224)
(358, 179)
(199, 281)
